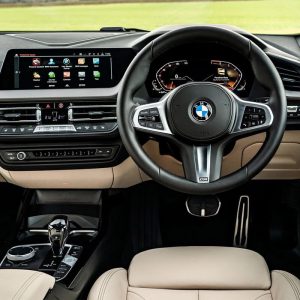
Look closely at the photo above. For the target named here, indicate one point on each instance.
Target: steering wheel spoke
(251, 117)
(151, 118)
(202, 164)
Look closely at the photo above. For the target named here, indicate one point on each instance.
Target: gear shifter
(58, 231)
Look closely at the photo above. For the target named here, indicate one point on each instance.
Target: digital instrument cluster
(178, 67)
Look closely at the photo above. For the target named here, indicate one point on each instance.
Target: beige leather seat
(24, 284)
(196, 273)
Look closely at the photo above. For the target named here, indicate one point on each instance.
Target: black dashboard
(58, 91)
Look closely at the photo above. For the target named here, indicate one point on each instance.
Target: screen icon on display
(36, 75)
(96, 60)
(81, 74)
(66, 61)
(36, 61)
(81, 61)
(51, 62)
(96, 74)
(221, 72)
(51, 75)
(67, 74)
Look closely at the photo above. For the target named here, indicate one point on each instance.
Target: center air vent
(90, 113)
(19, 114)
(289, 74)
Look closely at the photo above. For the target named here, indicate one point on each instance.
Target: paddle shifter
(58, 231)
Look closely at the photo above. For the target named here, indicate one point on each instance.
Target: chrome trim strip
(72, 232)
(19, 258)
(202, 159)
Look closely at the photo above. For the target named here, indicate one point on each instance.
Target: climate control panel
(56, 118)
(59, 154)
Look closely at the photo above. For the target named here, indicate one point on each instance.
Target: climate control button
(21, 155)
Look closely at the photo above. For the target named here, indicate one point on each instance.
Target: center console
(71, 132)
(39, 257)
(55, 258)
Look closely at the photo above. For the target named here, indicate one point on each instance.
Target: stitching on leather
(292, 285)
(32, 277)
(106, 275)
(105, 282)
(104, 290)
(288, 281)
(137, 295)
(263, 296)
(29, 284)
(294, 282)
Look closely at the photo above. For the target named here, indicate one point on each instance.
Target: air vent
(19, 114)
(90, 113)
(290, 75)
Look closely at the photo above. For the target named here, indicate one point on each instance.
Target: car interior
(150, 165)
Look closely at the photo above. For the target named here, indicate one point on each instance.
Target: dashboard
(203, 62)
(58, 97)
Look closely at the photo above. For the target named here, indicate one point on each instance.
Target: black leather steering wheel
(202, 117)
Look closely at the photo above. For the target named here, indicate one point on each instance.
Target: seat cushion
(201, 268)
(24, 284)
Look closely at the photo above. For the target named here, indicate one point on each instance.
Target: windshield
(257, 16)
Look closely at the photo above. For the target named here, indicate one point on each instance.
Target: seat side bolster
(285, 286)
(112, 285)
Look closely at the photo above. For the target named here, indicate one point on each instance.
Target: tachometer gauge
(225, 73)
(173, 74)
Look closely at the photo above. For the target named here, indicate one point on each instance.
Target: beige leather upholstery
(196, 273)
(24, 284)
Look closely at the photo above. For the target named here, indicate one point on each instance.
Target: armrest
(24, 284)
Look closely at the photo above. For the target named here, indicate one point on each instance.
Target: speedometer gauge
(173, 74)
(225, 73)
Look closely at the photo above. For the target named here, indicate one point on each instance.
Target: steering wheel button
(159, 126)
(142, 123)
(153, 111)
(248, 110)
(150, 125)
(261, 111)
(255, 117)
(144, 113)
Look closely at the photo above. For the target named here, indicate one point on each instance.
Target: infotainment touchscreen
(64, 68)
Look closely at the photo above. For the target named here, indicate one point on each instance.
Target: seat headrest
(202, 268)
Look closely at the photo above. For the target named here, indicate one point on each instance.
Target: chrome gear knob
(58, 231)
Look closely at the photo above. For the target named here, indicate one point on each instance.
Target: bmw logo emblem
(201, 111)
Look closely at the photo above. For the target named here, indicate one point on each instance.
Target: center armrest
(24, 284)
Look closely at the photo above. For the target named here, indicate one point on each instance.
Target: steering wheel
(201, 118)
